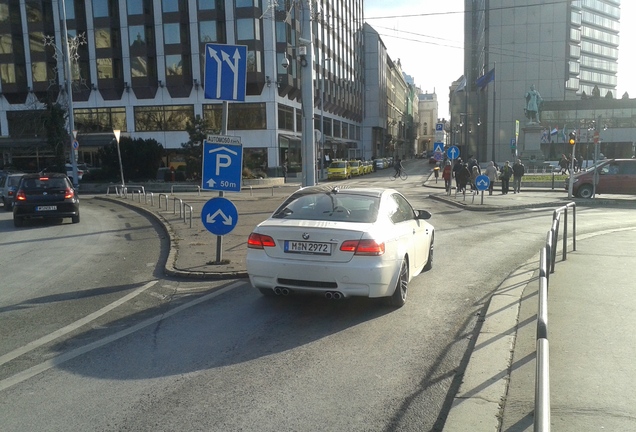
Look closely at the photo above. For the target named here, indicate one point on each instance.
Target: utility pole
(305, 51)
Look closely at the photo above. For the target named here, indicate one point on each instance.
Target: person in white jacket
(492, 173)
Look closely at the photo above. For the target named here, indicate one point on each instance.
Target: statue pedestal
(530, 149)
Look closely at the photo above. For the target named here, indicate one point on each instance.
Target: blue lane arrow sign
(482, 182)
(225, 75)
(219, 216)
(452, 152)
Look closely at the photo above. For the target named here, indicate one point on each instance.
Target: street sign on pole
(513, 143)
(222, 163)
(452, 152)
(219, 216)
(482, 182)
(225, 73)
(438, 147)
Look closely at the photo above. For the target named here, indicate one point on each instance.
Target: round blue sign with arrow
(219, 216)
(482, 182)
(452, 152)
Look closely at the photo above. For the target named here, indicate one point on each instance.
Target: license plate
(45, 208)
(307, 247)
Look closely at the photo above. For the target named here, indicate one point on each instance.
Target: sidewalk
(591, 363)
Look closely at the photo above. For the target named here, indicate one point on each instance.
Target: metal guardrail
(166, 197)
(184, 213)
(185, 186)
(174, 205)
(546, 266)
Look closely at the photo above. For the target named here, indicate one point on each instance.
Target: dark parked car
(8, 186)
(613, 176)
(45, 196)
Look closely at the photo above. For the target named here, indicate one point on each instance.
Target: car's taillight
(363, 247)
(20, 196)
(69, 193)
(259, 241)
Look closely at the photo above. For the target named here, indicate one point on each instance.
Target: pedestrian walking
(564, 163)
(506, 173)
(456, 168)
(518, 170)
(462, 177)
(473, 178)
(436, 172)
(447, 174)
(492, 173)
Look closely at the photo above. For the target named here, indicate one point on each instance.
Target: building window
(285, 118)
(174, 65)
(247, 116)
(247, 29)
(100, 8)
(299, 121)
(104, 68)
(170, 5)
(102, 38)
(207, 4)
(36, 41)
(137, 36)
(207, 31)
(40, 73)
(138, 67)
(336, 129)
(163, 118)
(246, 3)
(171, 33)
(6, 44)
(94, 120)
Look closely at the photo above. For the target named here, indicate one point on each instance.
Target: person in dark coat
(518, 170)
(456, 168)
(462, 177)
(506, 173)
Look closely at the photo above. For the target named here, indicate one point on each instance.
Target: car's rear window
(45, 183)
(330, 207)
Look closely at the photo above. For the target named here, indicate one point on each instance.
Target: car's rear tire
(429, 263)
(7, 205)
(18, 222)
(75, 219)
(586, 191)
(398, 299)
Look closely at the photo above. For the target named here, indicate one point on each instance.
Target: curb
(169, 267)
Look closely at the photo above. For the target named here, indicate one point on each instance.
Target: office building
(565, 49)
(138, 66)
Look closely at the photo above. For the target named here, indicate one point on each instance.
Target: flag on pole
(555, 131)
(462, 85)
(482, 81)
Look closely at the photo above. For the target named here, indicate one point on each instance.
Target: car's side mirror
(423, 214)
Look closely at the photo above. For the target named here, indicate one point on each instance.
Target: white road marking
(73, 326)
(35, 370)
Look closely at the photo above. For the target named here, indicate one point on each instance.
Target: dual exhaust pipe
(333, 295)
(329, 295)
(281, 291)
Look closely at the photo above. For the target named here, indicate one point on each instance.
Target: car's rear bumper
(29, 211)
(354, 278)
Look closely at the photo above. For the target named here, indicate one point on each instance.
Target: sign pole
(219, 239)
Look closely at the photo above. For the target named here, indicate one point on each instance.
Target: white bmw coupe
(339, 242)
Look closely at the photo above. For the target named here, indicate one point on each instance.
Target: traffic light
(572, 138)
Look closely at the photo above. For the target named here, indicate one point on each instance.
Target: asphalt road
(94, 338)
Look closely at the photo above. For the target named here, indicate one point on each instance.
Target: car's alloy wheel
(586, 191)
(399, 295)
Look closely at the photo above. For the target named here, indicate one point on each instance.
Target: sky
(428, 38)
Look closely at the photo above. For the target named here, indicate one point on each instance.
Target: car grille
(306, 283)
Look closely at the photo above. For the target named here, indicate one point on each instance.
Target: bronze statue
(533, 105)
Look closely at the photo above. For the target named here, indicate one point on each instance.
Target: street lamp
(117, 133)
